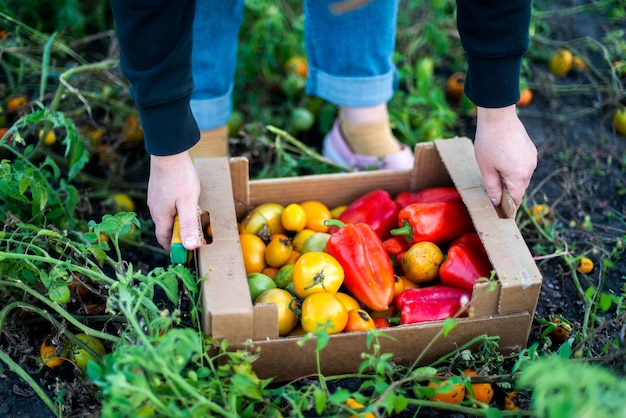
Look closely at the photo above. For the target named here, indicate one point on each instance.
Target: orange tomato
(359, 320)
(455, 85)
(323, 311)
(511, 402)
(286, 304)
(50, 355)
(132, 131)
(16, 103)
(253, 249)
(525, 97)
(316, 272)
(448, 392)
(481, 392)
(297, 65)
(278, 252)
(293, 217)
(578, 64)
(585, 265)
(421, 262)
(399, 285)
(353, 404)
(408, 284)
(316, 214)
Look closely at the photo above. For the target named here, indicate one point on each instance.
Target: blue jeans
(349, 55)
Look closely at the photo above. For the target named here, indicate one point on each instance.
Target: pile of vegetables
(377, 262)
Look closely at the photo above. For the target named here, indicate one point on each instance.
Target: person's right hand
(174, 188)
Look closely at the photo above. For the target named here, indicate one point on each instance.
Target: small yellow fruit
(124, 202)
(561, 62)
(585, 265)
(619, 121)
(50, 137)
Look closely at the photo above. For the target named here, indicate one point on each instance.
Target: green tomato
(316, 243)
(302, 119)
(80, 356)
(259, 283)
(284, 276)
(60, 294)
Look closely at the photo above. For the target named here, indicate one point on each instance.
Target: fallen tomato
(619, 121)
(585, 265)
(561, 62)
(52, 356)
(323, 311)
(82, 356)
(481, 392)
(447, 391)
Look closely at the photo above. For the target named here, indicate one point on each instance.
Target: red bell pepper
(437, 222)
(367, 267)
(432, 303)
(465, 262)
(375, 208)
(432, 194)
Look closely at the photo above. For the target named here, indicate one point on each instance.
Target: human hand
(504, 152)
(174, 188)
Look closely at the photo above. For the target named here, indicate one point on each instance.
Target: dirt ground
(581, 168)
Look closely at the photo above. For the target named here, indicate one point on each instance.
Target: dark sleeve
(494, 34)
(155, 38)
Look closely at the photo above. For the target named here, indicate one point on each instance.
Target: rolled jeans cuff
(351, 91)
(214, 112)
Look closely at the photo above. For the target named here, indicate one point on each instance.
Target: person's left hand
(174, 188)
(504, 152)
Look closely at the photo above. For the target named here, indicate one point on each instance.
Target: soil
(581, 173)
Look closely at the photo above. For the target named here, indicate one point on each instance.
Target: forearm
(494, 34)
(155, 44)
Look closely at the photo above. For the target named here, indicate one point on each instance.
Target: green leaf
(606, 300)
(320, 400)
(400, 404)
(448, 325)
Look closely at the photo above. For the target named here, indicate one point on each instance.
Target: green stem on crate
(15, 368)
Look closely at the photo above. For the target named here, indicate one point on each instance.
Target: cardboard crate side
(428, 170)
(240, 184)
(343, 352)
(226, 313)
(225, 295)
(501, 237)
(331, 189)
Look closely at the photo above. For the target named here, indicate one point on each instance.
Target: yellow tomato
(286, 304)
(561, 62)
(293, 217)
(421, 262)
(323, 311)
(316, 272)
(336, 212)
(81, 356)
(264, 220)
(316, 214)
(359, 320)
(353, 404)
(300, 238)
(50, 138)
(253, 250)
(619, 121)
(278, 252)
(123, 202)
(348, 301)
